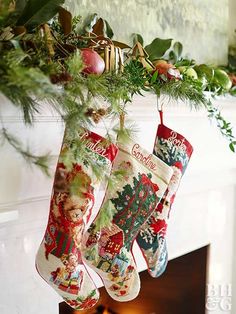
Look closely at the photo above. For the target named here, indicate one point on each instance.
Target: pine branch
(26, 86)
(125, 133)
(105, 216)
(41, 161)
(187, 91)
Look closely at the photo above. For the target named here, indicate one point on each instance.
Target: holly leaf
(158, 48)
(65, 19)
(38, 12)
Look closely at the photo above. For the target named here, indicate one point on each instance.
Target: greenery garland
(40, 61)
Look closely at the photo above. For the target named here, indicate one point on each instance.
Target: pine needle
(187, 91)
(41, 161)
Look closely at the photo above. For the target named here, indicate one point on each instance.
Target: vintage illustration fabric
(174, 150)
(59, 259)
(108, 249)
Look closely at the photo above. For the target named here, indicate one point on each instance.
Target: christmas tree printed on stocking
(58, 259)
(176, 151)
(108, 248)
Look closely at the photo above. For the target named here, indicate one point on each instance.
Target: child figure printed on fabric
(68, 278)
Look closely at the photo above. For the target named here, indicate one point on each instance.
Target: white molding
(142, 108)
(8, 215)
(10, 205)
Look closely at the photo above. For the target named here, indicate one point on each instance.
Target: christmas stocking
(107, 245)
(58, 260)
(175, 151)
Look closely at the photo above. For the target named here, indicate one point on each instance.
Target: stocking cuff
(97, 144)
(174, 138)
(148, 160)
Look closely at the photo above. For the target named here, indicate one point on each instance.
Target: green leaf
(185, 62)
(154, 77)
(89, 22)
(158, 48)
(38, 12)
(204, 70)
(137, 38)
(173, 56)
(93, 293)
(20, 5)
(109, 31)
(15, 44)
(105, 216)
(178, 49)
(232, 146)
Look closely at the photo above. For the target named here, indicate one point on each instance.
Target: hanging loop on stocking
(122, 121)
(160, 110)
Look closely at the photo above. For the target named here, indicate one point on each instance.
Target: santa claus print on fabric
(59, 259)
(174, 150)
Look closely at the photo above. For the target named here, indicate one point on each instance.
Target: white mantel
(203, 212)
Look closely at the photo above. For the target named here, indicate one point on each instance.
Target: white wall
(232, 22)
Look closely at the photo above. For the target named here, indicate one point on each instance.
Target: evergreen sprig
(187, 91)
(25, 86)
(225, 127)
(42, 161)
(41, 63)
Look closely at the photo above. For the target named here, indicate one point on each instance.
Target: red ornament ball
(94, 64)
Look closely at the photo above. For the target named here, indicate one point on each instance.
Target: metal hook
(159, 105)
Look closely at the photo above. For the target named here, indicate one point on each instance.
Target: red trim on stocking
(175, 138)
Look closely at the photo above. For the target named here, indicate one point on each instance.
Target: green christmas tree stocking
(175, 151)
(58, 260)
(107, 245)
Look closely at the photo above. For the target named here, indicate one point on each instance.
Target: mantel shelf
(142, 108)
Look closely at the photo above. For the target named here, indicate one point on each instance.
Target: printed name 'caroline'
(146, 160)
